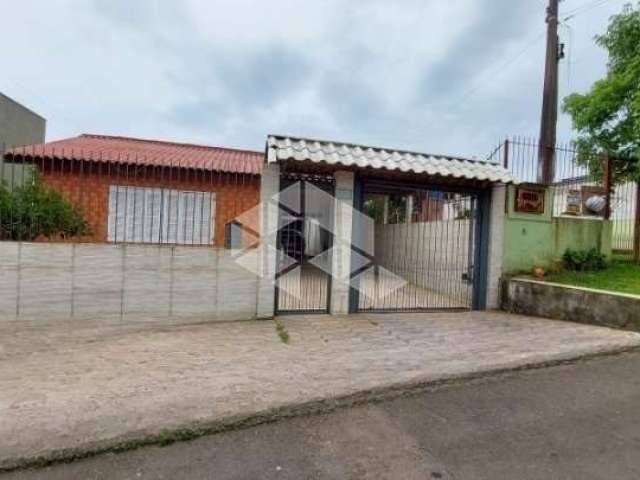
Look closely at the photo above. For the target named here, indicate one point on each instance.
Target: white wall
(434, 255)
(342, 229)
(496, 245)
(267, 256)
(45, 282)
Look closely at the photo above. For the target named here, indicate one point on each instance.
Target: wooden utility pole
(550, 98)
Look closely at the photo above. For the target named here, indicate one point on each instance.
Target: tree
(607, 118)
(34, 209)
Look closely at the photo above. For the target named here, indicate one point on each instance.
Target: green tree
(35, 209)
(607, 118)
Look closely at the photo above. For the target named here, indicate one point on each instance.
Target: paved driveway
(87, 388)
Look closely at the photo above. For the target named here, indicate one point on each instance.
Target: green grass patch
(621, 275)
(282, 331)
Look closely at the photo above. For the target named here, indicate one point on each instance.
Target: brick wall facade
(87, 185)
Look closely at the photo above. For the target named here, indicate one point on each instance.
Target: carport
(358, 228)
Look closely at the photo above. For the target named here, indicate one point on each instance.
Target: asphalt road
(577, 421)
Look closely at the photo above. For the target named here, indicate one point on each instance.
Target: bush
(34, 210)
(584, 260)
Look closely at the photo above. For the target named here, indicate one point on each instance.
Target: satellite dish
(595, 204)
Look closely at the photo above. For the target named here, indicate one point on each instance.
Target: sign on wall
(530, 200)
(574, 202)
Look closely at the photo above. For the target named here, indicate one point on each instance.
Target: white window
(160, 215)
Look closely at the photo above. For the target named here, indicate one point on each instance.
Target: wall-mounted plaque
(530, 200)
(574, 202)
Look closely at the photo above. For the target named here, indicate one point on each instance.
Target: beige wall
(120, 284)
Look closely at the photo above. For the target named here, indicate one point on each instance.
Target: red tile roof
(126, 150)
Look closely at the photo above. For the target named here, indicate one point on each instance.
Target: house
(333, 227)
(407, 231)
(148, 191)
(18, 126)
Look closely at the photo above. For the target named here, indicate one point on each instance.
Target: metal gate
(422, 251)
(305, 223)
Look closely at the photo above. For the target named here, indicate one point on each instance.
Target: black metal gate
(422, 251)
(303, 274)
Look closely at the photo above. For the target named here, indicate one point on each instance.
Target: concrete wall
(496, 246)
(19, 125)
(343, 231)
(583, 305)
(434, 255)
(540, 240)
(527, 237)
(581, 233)
(49, 282)
(268, 253)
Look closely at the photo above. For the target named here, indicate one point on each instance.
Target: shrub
(584, 260)
(35, 209)
(464, 214)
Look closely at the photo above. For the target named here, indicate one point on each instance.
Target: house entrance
(303, 274)
(422, 250)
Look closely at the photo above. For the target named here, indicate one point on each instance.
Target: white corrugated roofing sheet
(350, 155)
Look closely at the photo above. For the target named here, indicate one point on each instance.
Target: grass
(621, 275)
(282, 331)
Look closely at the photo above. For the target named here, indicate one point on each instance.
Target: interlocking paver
(72, 387)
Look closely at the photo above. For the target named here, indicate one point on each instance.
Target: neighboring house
(148, 191)
(18, 126)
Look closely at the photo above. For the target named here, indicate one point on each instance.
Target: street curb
(325, 405)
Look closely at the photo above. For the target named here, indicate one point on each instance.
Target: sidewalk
(67, 392)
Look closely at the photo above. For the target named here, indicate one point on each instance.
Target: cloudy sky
(445, 76)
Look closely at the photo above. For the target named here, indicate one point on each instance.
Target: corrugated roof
(137, 151)
(280, 148)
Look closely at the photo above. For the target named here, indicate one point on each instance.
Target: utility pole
(550, 98)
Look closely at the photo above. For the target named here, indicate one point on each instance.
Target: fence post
(608, 177)
(636, 226)
(506, 153)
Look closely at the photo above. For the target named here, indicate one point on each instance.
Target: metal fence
(574, 183)
(82, 196)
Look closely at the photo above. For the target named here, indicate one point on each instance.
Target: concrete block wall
(50, 282)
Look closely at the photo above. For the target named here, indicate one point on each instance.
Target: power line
(502, 66)
(583, 9)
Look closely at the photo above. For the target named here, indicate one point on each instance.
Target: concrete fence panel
(49, 282)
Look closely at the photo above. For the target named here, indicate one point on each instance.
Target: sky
(438, 76)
